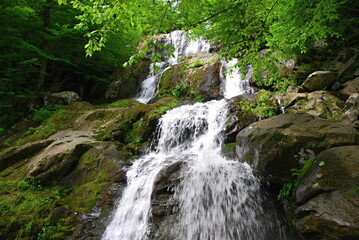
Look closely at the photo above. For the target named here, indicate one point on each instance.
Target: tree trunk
(45, 14)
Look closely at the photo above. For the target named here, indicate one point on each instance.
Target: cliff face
(62, 178)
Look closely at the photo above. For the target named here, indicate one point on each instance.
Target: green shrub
(198, 63)
(41, 115)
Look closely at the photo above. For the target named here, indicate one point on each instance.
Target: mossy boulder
(60, 157)
(329, 194)
(319, 80)
(200, 73)
(318, 103)
(136, 123)
(270, 145)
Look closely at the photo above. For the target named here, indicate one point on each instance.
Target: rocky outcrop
(319, 80)
(270, 145)
(58, 159)
(351, 115)
(328, 194)
(12, 155)
(163, 203)
(199, 72)
(62, 98)
(350, 87)
(237, 118)
(126, 81)
(318, 103)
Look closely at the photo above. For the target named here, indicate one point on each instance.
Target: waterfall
(234, 84)
(218, 198)
(183, 47)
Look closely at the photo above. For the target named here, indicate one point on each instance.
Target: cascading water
(234, 84)
(218, 198)
(182, 47)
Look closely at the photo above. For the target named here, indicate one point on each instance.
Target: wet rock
(270, 145)
(237, 119)
(126, 81)
(351, 115)
(163, 203)
(62, 98)
(318, 103)
(200, 72)
(12, 155)
(319, 80)
(58, 159)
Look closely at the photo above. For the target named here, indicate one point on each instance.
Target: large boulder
(58, 159)
(12, 155)
(318, 103)
(62, 98)
(329, 196)
(200, 73)
(319, 80)
(270, 145)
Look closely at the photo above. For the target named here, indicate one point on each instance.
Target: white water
(218, 198)
(234, 84)
(183, 47)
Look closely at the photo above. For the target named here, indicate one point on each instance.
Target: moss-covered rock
(137, 123)
(200, 73)
(270, 145)
(329, 194)
(318, 103)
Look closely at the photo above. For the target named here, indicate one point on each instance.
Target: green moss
(197, 63)
(124, 103)
(27, 210)
(262, 106)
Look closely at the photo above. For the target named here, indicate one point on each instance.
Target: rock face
(58, 159)
(126, 81)
(350, 87)
(318, 103)
(200, 72)
(163, 203)
(62, 98)
(14, 154)
(351, 115)
(329, 196)
(319, 80)
(270, 145)
(237, 119)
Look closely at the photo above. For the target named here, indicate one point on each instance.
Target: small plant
(263, 107)
(198, 63)
(41, 115)
(179, 91)
(297, 174)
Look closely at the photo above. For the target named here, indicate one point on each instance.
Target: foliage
(262, 106)
(297, 174)
(198, 63)
(41, 115)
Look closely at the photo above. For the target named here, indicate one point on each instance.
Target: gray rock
(351, 115)
(332, 215)
(12, 155)
(163, 203)
(62, 98)
(58, 159)
(318, 103)
(270, 145)
(319, 80)
(334, 169)
(350, 87)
